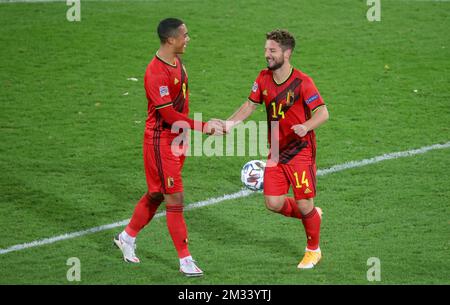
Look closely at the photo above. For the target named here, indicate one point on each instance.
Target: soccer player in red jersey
(166, 86)
(295, 107)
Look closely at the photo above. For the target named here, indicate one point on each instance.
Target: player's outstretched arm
(319, 117)
(219, 127)
(240, 115)
(180, 120)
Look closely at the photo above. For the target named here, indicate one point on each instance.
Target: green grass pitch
(72, 124)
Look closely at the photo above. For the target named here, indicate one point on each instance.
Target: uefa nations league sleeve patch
(312, 99)
(163, 91)
(255, 87)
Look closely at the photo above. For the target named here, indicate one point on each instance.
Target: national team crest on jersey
(163, 91)
(290, 98)
(170, 182)
(255, 87)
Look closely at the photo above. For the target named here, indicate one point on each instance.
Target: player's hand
(226, 125)
(215, 127)
(300, 129)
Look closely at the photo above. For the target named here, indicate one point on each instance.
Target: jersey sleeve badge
(255, 87)
(312, 99)
(163, 91)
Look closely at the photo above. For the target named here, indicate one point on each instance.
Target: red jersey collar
(287, 78)
(165, 62)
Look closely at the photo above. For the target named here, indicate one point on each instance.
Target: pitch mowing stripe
(240, 194)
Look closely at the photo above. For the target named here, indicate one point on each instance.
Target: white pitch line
(240, 194)
(395, 155)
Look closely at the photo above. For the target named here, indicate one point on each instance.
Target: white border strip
(30, 1)
(240, 194)
(82, 1)
(47, 1)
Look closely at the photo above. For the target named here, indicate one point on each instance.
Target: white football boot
(127, 250)
(189, 268)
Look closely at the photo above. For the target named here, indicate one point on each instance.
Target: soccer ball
(252, 175)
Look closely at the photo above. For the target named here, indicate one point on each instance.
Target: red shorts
(163, 169)
(302, 178)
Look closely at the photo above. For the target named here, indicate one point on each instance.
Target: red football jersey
(165, 85)
(289, 103)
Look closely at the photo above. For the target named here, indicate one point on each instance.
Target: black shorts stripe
(159, 167)
(156, 142)
(313, 147)
(313, 177)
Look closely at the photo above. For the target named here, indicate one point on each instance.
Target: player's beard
(277, 65)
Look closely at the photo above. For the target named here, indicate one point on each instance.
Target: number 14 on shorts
(298, 183)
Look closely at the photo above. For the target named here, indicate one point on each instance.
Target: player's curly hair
(283, 37)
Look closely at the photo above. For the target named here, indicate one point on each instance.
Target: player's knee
(273, 204)
(305, 205)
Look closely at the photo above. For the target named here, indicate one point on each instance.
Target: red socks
(143, 213)
(311, 222)
(290, 208)
(177, 228)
